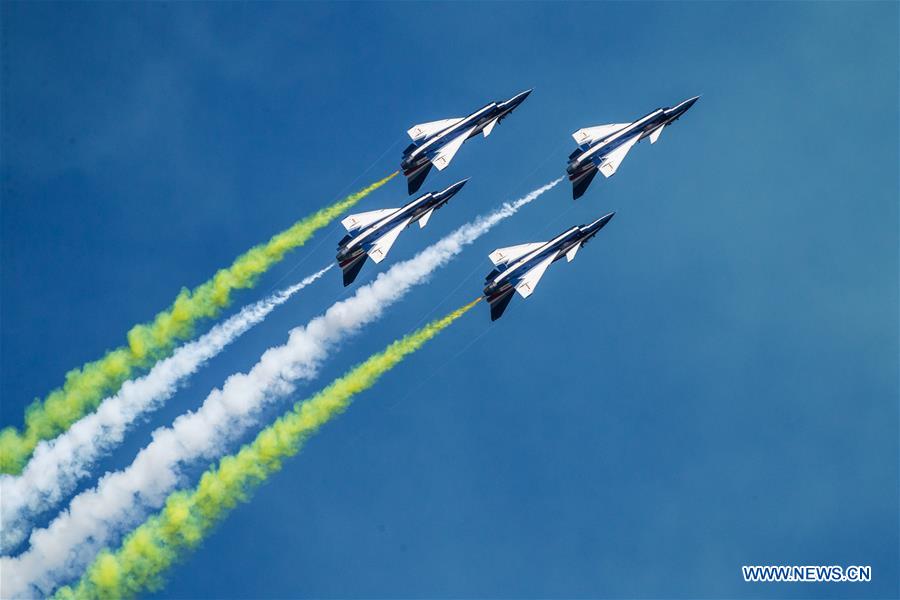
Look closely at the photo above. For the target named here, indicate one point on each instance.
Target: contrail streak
(188, 516)
(149, 342)
(121, 500)
(58, 465)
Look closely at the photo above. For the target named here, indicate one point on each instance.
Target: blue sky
(712, 383)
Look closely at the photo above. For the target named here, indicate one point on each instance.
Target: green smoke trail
(188, 516)
(85, 387)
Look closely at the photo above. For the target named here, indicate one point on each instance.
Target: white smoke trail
(120, 500)
(58, 465)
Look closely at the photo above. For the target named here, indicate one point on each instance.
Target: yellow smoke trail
(148, 342)
(187, 517)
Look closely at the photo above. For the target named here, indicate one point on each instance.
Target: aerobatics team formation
(518, 268)
(120, 537)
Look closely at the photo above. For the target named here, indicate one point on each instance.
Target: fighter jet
(602, 148)
(373, 233)
(437, 142)
(519, 268)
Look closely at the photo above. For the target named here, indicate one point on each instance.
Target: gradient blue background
(714, 382)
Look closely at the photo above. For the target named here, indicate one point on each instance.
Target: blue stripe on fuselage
(518, 269)
(376, 230)
(640, 127)
(478, 118)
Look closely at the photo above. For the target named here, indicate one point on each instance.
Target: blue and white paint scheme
(520, 268)
(437, 142)
(603, 147)
(371, 234)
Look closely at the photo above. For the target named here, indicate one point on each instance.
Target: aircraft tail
(499, 304)
(352, 269)
(580, 184)
(415, 179)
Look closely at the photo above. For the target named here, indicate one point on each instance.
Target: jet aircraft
(373, 233)
(603, 147)
(519, 268)
(437, 142)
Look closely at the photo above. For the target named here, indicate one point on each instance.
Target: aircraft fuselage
(590, 156)
(501, 281)
(350, 249)
(418, 156)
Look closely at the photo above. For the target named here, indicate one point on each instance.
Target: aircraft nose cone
(453, 189)
(690, 102)
(519, 98)
(602, 221)
(459, 185)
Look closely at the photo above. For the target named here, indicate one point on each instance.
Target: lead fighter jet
(519, 268)
(373, 233)
(437, 142)
(602, 148)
